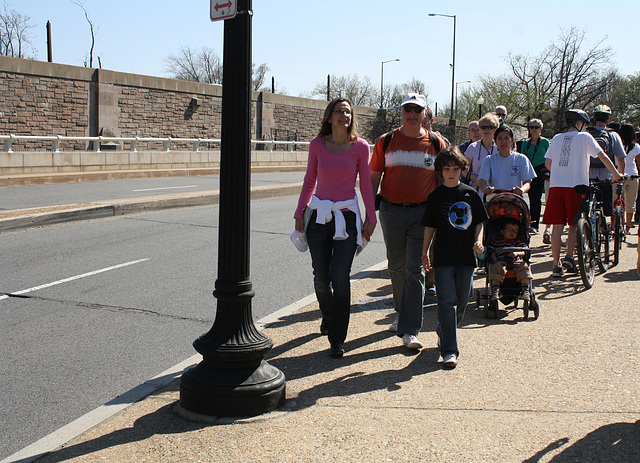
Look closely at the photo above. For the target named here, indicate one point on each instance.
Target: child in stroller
(506, 239)
(505, 257)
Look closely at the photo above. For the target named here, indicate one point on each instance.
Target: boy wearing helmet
(568, 160)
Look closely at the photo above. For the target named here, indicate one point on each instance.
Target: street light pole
(382, 80)
(480, 103)
(463, 82)
(453, 62)
(233, 378)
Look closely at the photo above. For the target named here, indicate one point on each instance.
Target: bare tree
(258, 75)
(361, 92)
(202, 65)
(566, 74)
(205, 66)
(14, 33)
(93, 32)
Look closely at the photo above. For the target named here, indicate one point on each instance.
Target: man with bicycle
(611, 144)
(568, 160)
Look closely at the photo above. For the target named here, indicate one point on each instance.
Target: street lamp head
(432, 14)
(480, 100)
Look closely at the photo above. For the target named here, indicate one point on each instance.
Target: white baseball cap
(416, 99)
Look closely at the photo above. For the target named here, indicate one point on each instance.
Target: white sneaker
(450, 361)
(394, 326)
(411, 341)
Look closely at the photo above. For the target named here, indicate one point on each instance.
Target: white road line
(93, 418)
(77, 277)
(167, 188)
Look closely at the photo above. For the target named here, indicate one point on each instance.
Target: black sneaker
(337, 350)
(558, 272)
(569, 265)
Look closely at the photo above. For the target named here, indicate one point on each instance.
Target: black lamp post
(480, 103)
(233, 378)
(453, 62)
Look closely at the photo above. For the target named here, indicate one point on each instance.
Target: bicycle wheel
(617, 220)
(586, 257)
(601, 245)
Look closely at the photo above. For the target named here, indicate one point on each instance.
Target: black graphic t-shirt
(454, 212)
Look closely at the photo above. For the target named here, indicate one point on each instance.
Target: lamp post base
(226, 391)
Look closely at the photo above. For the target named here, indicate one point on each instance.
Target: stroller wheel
(525, 308)
(492, 309)
(536, 309)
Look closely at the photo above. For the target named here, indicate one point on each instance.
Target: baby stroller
(500, 208)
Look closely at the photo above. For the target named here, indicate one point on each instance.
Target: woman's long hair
(628, 136)
(325, 128)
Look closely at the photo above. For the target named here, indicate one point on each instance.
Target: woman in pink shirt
(337, 156)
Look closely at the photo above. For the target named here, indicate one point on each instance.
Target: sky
(303, 41)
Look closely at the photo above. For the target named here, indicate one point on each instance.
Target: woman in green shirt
(535, 148)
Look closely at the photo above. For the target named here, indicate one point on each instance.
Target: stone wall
(40, 98)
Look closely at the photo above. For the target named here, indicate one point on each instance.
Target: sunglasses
(410, 107)
(488, 127)
(501, 115)
(534, 127)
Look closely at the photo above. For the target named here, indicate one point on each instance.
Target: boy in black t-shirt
(457, 212)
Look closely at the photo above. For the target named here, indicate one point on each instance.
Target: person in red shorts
(568, 160)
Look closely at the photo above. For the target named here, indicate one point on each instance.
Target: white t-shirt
(505, 173)
(476, 152)
(569, 153)
(630, 167)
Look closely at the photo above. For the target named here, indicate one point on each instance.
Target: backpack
(603, 137)
(435, 141)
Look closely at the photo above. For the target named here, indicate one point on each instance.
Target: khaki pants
(498, 270)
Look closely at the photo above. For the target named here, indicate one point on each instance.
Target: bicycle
(618, 224)
(592, 232)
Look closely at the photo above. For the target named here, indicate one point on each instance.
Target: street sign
(223, 9)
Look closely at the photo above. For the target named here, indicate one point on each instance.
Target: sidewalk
(560, 388)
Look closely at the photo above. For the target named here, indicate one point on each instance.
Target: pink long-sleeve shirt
(333, 175)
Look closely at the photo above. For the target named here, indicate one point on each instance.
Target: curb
(98, 210)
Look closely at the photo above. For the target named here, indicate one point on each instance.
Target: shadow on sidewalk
(162, 421)
(616, 442)
(362, 381)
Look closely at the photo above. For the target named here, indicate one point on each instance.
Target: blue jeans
(454, 286)
(403, 237)
(331, 260)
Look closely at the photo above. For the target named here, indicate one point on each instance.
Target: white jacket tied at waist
(327, 209)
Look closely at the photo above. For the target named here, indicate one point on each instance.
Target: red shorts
(562, 206)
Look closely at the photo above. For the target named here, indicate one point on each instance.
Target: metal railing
(97, 142)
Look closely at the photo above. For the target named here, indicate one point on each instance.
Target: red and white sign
(223, 9)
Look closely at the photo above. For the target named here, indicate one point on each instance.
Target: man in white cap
(402, 166)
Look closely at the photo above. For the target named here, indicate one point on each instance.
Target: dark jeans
(454, 285)
(331, 260)
(535, 196)
(604, 194)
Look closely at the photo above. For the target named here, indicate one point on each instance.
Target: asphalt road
(101, 306)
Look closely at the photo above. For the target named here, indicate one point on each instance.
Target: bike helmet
(602, 109)
(576, 115)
